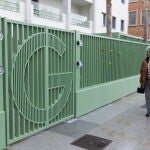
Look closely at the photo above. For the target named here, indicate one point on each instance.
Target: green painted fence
(123, 36)
(41, 83)
(109, 71)
(106, 59)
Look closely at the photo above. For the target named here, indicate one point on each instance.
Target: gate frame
(2, 103)
(5, 86)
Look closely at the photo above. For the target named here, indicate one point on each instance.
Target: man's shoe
(147, 115)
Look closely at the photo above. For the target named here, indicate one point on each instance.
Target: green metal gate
(43, 69)
(39, 88)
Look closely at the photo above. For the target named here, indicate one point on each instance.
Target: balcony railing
(79, 20)
(44, 11)
(8, 5)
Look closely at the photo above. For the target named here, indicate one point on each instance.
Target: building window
(114, 22)
(132, 18)
(103, 19)
(148, 17)
(123, 1)
(122, 25)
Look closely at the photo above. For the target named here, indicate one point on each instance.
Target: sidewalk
(123, 122)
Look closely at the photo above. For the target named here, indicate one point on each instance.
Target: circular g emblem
(38, 93)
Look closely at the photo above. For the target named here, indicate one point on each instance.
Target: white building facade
(87, 16)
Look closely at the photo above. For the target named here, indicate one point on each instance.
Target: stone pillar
(28, 12)
(67, 11)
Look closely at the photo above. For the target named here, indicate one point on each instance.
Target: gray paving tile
(123, 122)
(106, 113)
(127, 129)
(75, 129)
(121, 145)
(143, 106)
(46, 141)
(144, 144)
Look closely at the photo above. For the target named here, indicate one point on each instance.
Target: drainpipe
(67, 11)
(108, 17)
(28, 11)
(95, 10)
(145, 17)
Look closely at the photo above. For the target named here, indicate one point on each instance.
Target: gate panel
(27, 110)
(60, 61)
(39, 66)
(2, 104)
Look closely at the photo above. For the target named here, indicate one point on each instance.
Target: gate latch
(79, 43)
(79, 63)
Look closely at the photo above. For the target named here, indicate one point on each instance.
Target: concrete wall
(91, 98)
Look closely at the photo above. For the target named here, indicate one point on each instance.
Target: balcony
(10, 6)
(47, 12)
(79, 20)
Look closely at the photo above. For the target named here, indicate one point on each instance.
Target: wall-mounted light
(79, 63)
(79, 43)
(1, 70)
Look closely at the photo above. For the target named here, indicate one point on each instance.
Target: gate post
(2, 112)
(78, 62)
(46, 77)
